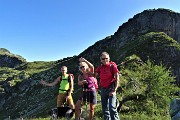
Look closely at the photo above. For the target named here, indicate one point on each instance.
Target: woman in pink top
(85, 79)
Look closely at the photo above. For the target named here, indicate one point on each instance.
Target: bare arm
(81, 81)
(96, 74)
(91, 66)
(117, 81)
(71, 85)
(50, 84)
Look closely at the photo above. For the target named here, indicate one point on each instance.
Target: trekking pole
(90, 103)
(86, 102)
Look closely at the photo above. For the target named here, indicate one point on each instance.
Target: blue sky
(49, 30)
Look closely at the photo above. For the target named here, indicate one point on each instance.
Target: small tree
(147, 87)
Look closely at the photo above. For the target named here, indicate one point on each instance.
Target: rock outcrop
(8, 59)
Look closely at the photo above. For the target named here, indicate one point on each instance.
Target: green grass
(145, 86)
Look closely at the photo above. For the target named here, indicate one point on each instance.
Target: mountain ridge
(142, 23)
(143, 35)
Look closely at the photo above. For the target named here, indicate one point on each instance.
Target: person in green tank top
(64, 84)
(65, 89)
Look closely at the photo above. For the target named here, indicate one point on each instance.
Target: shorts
(89, 96)
(61, 99)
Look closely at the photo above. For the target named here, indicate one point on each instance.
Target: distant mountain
(8, 59)
(151, 35)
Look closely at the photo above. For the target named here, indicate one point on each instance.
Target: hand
(68, 96)
(82, 59)
(84, 82)
(112, 93)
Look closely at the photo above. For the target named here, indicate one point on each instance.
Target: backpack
(112, 64)
(69, 75)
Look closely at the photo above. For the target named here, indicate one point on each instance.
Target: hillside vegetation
(148, 63)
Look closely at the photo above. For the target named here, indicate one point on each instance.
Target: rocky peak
(8, 59)
(160, 20)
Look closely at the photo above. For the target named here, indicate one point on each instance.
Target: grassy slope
(38, 99)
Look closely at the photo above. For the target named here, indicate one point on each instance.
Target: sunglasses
(104, 58)
(82, 67)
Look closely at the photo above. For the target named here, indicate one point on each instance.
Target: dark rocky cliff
(8, 59)
(160, 20)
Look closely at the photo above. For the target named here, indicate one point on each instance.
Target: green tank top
(64, 84)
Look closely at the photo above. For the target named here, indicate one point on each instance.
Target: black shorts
(89, 96)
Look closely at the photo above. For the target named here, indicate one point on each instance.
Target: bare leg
(70, 102)
(91, 114)
(77, 109)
